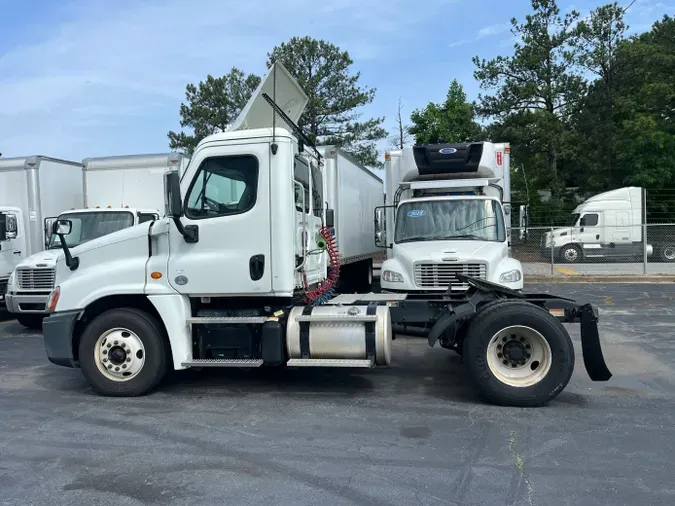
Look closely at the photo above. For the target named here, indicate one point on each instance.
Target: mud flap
(590, 345)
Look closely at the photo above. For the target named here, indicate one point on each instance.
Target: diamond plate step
(329, 362)
(224, 362)
(226, 319)
(336, 318)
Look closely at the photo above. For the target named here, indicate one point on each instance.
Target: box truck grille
(442, 275)
(35, 279)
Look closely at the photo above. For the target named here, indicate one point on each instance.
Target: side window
(301, 175)
(223, 186)
(590, 220)
(317, 192)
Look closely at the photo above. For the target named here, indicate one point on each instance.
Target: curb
(590, 278)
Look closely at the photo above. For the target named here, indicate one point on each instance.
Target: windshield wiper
(466, 236)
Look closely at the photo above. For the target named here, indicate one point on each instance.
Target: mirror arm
(189, 233)
(72, 262)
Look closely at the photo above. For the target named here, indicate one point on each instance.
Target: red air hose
(325, 289)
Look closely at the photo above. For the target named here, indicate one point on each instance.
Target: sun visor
(281, 87)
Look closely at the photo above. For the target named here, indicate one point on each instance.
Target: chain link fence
(595, 250)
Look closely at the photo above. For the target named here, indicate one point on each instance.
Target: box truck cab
(447, 212)
(32, 190)
(113, 190)
(609, 225)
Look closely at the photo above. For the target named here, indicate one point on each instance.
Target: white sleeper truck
(33, 189)
(447, 212)
(226, 280)
(610, 226)
(114, 188)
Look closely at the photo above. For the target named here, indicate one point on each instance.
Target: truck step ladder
(330, 362)
(226, 319)
(223, 362)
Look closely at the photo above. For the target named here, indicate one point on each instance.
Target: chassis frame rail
(446, 315)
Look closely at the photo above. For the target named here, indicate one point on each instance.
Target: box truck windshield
(91, 225)
(441, 220)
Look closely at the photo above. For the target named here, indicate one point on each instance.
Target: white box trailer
(32, 189)
(352, 191)
(129, 180)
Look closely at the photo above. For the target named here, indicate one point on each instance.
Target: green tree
(323, 71)
(600, 37)
(451, 121)
(211, 106)
(539, 80)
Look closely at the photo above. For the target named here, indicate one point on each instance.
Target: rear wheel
(122, 353)
(518, 354)
(31, 321)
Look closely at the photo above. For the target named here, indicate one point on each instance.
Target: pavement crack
(520, 465)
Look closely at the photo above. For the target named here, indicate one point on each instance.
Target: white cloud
(484, 32)
(102, 65)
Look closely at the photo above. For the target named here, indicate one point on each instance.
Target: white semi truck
(32, 190)
(447, 212)
(610, 225)
(117, 192)
(229, 282)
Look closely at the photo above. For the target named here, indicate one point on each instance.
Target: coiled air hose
(326, 288)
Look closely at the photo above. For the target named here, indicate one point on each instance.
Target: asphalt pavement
(415, 433)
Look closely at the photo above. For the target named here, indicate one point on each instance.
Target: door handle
(597, 236)
(256, 267)
(17, 252)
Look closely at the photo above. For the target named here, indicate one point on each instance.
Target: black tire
(151, 334)
(667, 253)
(31, 321)
(366, 269)
(570, 254)
(495, 317)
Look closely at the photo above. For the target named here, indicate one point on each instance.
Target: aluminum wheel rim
(505, 361)
(119, 354)
(669, 252)
(571, 254)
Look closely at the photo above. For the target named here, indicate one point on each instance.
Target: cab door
(227, 199)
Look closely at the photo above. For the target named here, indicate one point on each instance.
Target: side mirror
(49, 230)
(8, 227)
(380, 232)
(172, 194)
(582, 221)
(3, 227)
(62, 227)
(330, 218)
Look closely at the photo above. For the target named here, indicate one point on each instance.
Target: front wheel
(570, 254)
(518, 354)
(30, 321)
(667, 253)
(122, 353)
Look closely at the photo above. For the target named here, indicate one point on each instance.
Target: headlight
(392, 277)
(511, 276)
(10, 281)
(53, 299)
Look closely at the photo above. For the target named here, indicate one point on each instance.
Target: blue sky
(96, 78)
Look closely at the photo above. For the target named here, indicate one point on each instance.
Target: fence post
(644, 248)
(552, 253)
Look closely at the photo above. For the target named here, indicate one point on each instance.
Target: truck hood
(450, 252)
(125, 234)
(41, 260)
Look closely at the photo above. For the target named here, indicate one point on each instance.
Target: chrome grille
(35, 279)
(442, 275)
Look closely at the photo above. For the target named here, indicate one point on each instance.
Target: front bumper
(57, 330)
(30, 304)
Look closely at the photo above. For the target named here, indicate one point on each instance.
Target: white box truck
(32, 189)
(447, 213)
(118, 192)
(610, 226)
(352, 191)
(220, 282)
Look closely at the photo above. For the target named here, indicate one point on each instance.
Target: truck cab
(447, 212)
(32, 280)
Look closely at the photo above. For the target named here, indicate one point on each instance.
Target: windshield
(440, 220)
(88, 226)
(573, 219)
